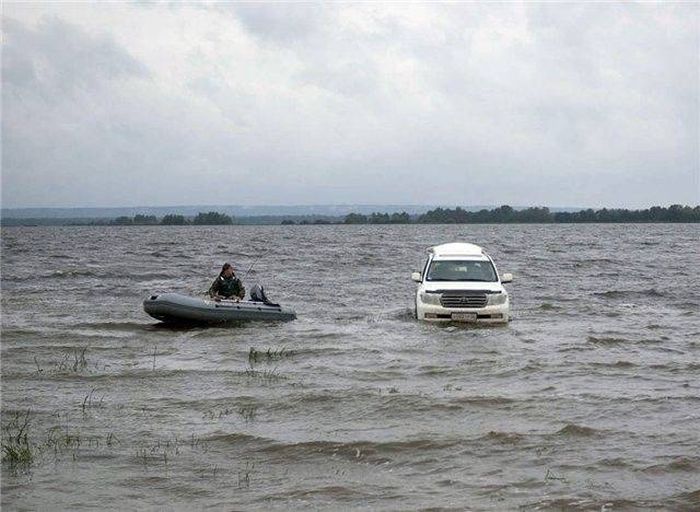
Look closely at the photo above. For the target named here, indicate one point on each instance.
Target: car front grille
(463, 299)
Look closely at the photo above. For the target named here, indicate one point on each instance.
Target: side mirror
(416, 277)
(507, 277)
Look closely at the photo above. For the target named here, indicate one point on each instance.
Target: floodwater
(588, 400)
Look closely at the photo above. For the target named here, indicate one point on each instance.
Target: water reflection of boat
(177, 308)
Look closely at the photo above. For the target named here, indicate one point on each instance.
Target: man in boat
(227, 285)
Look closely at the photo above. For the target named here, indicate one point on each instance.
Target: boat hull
(176, 308)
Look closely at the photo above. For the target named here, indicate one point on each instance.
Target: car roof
(456, 249)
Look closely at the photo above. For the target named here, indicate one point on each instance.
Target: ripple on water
(585, 401)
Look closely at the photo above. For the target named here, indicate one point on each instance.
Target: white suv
(460, 283)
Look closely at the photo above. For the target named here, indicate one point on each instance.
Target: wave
(403, 314)
(616, 364)
(335, 492)
(376, 452)
(586, 505)
(623, 294)
(597, 262)
(689, 305)
(235, 439)
(607, 340)
(574, 430)
(114, 326)
(331, 396)
(614, 463)
(484, 401)
(687, 501)
(503, 437)
(680, 464)
(56, 274)
(75, 272)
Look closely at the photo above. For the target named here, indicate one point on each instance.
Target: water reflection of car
(460, 283)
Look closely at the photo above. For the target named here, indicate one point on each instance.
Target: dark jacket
(227, 287)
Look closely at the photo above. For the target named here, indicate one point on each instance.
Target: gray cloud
(57, 58)
(386, 103)
(282, 23)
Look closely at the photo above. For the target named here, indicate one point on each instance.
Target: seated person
(227, 285)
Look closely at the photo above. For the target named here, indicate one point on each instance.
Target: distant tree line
(378, 218)
(501, 215)
(201, 219)
(309, 222)
(357, 218)
(507, 215)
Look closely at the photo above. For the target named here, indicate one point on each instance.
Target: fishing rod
(253, 264)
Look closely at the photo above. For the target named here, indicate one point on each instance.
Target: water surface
(587, 400)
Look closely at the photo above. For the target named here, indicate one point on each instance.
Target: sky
(157, 104)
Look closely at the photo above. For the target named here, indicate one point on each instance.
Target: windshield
(453, 270)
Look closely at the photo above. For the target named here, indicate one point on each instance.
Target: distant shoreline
(501, 215)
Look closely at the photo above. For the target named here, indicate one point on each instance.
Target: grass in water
(72, 361)
(17, 451)
(266, 376)
(245, 411)
(256, 356)
(244, 475)
(248, 412)
(89, 403)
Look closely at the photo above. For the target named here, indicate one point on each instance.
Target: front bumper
(496, 314)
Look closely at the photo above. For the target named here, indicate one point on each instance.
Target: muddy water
(589, 399)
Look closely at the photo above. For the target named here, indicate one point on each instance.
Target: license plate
(464, 317)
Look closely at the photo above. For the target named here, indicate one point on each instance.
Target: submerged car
(460, 283)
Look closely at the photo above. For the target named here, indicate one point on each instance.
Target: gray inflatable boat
(176, 308)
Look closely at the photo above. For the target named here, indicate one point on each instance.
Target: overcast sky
(127, 104)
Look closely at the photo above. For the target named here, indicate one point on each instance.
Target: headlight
(497, 298)
(430, 298)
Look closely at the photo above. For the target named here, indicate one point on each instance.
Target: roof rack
(457, 249)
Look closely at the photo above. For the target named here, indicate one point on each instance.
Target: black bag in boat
(257, 294)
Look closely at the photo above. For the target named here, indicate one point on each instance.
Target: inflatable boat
(176, 308)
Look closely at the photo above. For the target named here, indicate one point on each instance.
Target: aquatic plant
(244, 475)
(17, 455)
(88, 402)
(73, 360)
(551, 476)
(266, 376)
(160, 451)
(60, 442)
(217, 414)
(268, 355)
(248, 412)
(17, 451)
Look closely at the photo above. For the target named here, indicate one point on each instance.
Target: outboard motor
(257, 294)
